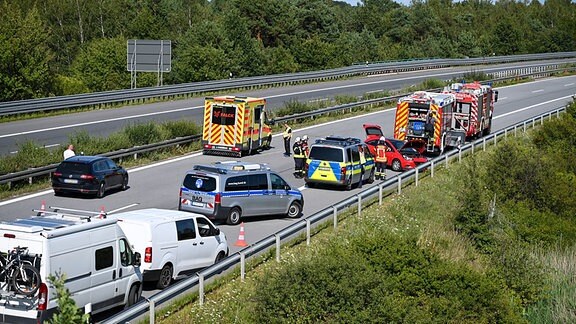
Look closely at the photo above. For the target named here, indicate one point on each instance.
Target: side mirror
(287, 187)
(137, 259)
(216, 231)
(496, 96)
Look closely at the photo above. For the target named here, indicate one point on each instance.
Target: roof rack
(61, 212)
(338, 140)
(224, 167)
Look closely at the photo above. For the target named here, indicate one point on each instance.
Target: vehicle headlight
(407, 158)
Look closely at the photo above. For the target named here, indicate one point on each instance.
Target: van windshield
(199, 183)
(326, 154)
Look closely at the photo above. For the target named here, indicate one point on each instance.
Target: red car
(401, 155)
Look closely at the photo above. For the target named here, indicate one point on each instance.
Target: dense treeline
(58, 47)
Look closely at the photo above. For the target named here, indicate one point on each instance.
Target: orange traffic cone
(42, 208)
(102, 213)
(241, 241)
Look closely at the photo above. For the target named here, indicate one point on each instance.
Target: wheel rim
(294, 210)
(235, 216)
(396, 165)
(101, 190)
(165, 276)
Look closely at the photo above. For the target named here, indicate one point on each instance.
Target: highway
(157, 185)
(55, 131)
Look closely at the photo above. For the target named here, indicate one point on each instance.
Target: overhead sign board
(149, 55)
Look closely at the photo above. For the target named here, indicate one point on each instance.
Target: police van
(231, 190)
(341, 161)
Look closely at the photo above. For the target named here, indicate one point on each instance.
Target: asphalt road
(55, 131)
(157, 185)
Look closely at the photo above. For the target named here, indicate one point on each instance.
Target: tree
(67, 313)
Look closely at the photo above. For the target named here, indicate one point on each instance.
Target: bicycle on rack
(18, 273)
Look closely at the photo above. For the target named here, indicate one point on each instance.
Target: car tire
(125, 183)
(295, 210)
(349, 184)
(101, 190)
(165, 277)
(234, 216)
(372, 176)
(220, 257)
(396, 165)
(133, 296)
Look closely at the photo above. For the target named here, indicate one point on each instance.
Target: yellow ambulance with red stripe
(235, 126)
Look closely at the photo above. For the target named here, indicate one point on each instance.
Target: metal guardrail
(303, 226)
(165, 92)
(47, 170)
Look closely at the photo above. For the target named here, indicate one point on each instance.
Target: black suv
(89, 175)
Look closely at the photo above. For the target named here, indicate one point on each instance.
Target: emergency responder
(298, 158)
(287, 136)
(362, 164)
(380, 159)
(429, 126)
(305, 148)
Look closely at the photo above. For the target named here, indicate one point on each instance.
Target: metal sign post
(148, 56)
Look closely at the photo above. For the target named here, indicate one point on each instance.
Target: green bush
(180, 128)
(379, 278)
(142, 134)
(67, 312)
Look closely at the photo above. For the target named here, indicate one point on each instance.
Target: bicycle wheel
(26, 280)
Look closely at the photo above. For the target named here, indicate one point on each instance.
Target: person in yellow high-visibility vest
(287, 136)
(380, 159)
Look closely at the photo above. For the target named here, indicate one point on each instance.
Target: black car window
(355, 154)
(186, 229)
(205, 228)
(100, 166)
(258, 181)
(111, 164)
(277, 182)
(325, 153)
(199, 183)
(239, 183)
(73, 168)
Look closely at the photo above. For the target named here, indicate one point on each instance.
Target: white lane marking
(303, 188)
(540, 90)
(569, 84)
(530, 107)
(34, 195)
(122, 208)
(502, 98)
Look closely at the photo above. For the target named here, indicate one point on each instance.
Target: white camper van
(173, 243)
(101, 270)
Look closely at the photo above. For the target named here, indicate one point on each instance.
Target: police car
(231, 190)
(341, 161)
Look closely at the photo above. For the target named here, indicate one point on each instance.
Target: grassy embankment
(491, 240)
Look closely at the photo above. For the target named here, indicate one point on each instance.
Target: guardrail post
(495, 140)
(399, 185)
(431, 169)
(473, 144)
(506, 133)
(484, 144)
(307, 231)
(242, 266)
(335, 216)
(416, 177)
(446, 159)
(380, 195)
(152, 307)
(524, 129)
(459, 155)
(359, 205)
(277, 247)
(541, 120)
(515, 132)
(30, 180)
(135, 156)
(201, 288)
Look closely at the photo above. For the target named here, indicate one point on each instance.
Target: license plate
(70, 181)
(197, 204)
(324, 169)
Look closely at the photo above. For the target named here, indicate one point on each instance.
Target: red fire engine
(474, 108)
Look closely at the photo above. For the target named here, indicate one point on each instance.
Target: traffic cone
(42, 208)
(241, 241)
(102, 213)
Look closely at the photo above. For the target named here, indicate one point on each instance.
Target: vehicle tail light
(180, 195)
(343, 171)
(42, 297)
(236, 149)
(207, 146)
(148, 254)
(57, 174)
(87, 177)
(217, 198)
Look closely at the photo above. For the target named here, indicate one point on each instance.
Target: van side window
(239, 183)
(186, 229)
(257, 114)
(355, 154)
(125, 253)
(204, 228)
(258, 181)
(277, 182)
(104, 258)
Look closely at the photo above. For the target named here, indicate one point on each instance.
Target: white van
(101, 269)
(173, 243)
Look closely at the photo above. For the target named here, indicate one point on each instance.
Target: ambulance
(235, 126)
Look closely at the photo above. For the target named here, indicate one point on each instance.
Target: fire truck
(474, 108)
(427, 116)
(235, 126)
